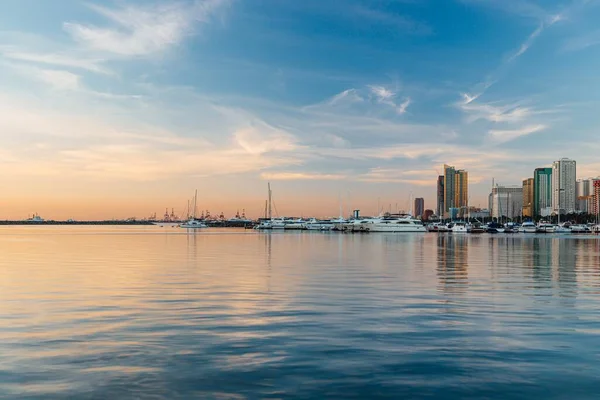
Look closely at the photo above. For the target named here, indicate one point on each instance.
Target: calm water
(149, 312)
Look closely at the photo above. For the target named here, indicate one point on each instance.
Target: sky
(113, 109)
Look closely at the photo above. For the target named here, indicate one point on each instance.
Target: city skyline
(113, 109)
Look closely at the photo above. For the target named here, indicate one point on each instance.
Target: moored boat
(387, 224)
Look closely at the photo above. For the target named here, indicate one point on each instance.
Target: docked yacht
(545, 227)
(475, 228)
(278, 223)
(294, 224)
(387, 224)
(494, 227)
(193, 224)
(528, 227)
(562, 229)
(319, 225)
(458, 227)
(580, 229)
(437, 227)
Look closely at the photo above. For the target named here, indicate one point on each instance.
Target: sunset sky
(111, 109)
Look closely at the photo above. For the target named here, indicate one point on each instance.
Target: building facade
(419, 207)
(456, 190)
(542, 190)
(440, 196)
(506, 201)
(528, 185)
(596, 200)
(564, 186)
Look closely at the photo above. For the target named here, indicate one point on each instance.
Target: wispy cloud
(57, 59)
(522, 8)
(297, 176)
(143, 30)
(545, 19)
(403, 106)
(372, 15)
(581, 42)
(502, 136)
(63, 80)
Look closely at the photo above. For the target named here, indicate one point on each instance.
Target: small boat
(580, 229)
(494, 227)
(545, 227)
(528, 227)
(562, 229)
(475, 228)
(193, 224)
(458, 227)
(437, 227)
(294, 224)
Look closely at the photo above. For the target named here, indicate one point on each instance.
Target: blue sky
(136, 103)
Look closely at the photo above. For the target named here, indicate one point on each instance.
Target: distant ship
(35, 219)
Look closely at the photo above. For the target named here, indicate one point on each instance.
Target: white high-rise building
(506, 201)
(564, 186)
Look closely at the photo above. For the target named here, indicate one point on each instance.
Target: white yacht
(278, 223)
(562, 229)
(545, 227)
(294, 224)
(264, 224)
(387, 224)
(582, 229)
(319, 225)
(458, 227)
(437, 227)
(339, 224)
(193, 224)
(528, 227)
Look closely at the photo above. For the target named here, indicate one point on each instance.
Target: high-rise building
(440, 196)
(584, 189)
(596, 200)
(419, 208)
(528, 185)
(585, 204)
(506, 201)
(564, 179)
(456, 190)
(542, 190)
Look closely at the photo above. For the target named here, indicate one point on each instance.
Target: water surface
(151, 312)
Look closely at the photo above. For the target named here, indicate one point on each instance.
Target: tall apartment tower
(419, 208)
(456, 190)
(440, 196)
(542, 191)
(596, 199)
(528, 199)
(564, 186)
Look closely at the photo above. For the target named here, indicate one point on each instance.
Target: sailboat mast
(270, 201)
(195, 202)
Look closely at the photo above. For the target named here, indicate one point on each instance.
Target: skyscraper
(456, 189)
(419, 208)
(564, 186)
(596, 206)
(528, 185)
(440, 196)
(542, 191)
(506, 201)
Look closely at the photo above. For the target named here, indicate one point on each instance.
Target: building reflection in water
(452, 263)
